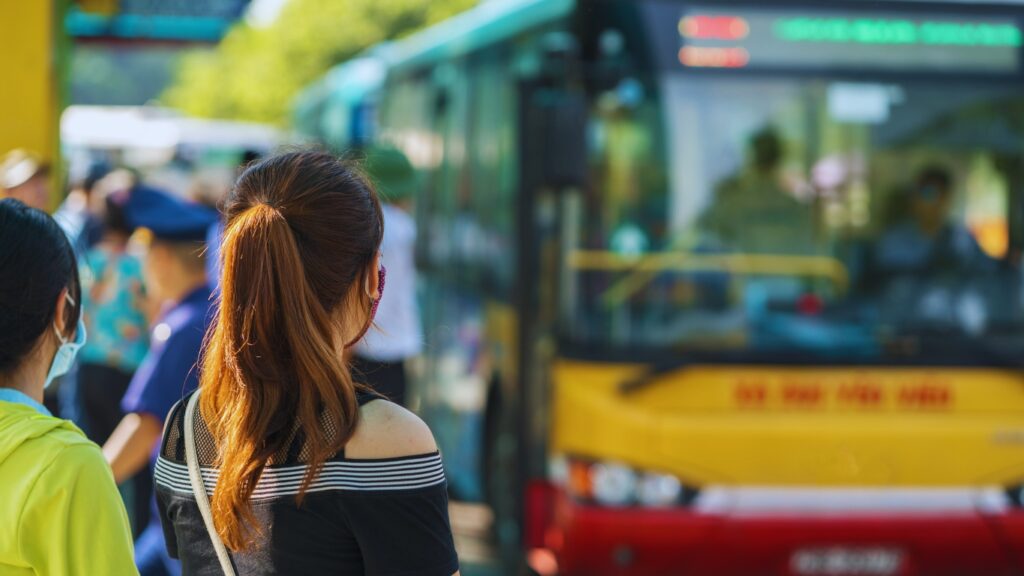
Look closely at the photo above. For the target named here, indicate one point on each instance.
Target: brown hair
(302, 230)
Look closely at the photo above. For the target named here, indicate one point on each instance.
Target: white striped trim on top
(353, 475)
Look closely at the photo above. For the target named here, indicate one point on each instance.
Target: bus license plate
(847, 562)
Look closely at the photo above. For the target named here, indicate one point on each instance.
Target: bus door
(552, 119)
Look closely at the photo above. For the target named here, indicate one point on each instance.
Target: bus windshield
(872, 221)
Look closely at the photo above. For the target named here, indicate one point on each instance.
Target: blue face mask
(66, 353)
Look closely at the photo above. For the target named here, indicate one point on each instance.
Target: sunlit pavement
(471, 525)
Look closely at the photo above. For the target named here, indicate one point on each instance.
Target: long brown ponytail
(302, 230)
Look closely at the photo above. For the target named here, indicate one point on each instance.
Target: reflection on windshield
(754, 214)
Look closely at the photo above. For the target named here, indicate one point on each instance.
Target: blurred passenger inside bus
(755, 211)
(25, 176)
(174, 270)
(625, 153)
(380, 357)
(929, 240)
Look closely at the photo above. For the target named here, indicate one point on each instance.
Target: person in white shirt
(380, 357)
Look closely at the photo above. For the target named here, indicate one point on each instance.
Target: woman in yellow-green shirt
(60, 512)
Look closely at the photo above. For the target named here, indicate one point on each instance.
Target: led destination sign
(763, 38)
(896, 31)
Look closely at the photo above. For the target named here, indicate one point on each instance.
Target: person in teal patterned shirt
(115, 316)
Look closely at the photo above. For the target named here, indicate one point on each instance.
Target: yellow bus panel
(780, 426)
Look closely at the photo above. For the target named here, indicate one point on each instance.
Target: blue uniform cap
(168, 217)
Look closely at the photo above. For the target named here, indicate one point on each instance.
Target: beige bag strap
(199, 488)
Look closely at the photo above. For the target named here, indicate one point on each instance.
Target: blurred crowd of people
(145, 304)
(148, 263)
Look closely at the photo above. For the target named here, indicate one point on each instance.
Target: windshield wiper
(681, 361)
(653, 374)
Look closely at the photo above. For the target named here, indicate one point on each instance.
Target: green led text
(896, 32)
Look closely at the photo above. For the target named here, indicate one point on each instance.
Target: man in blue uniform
(175, 274)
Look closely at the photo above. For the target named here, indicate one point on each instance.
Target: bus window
(798, 215)
(627, 171)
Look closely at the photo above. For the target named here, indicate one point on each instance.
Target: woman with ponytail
(299, 469)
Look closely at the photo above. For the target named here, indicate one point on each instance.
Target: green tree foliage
(256, 72)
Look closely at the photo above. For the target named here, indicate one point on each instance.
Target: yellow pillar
(29, 77)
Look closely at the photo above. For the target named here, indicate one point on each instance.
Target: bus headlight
(616, 484)
(658, 490)
(613, 484)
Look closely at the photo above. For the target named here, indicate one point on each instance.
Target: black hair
(36, 264)
(937, 176)
(767, 147)
(96, 172)
(114, 216)
(249, 156)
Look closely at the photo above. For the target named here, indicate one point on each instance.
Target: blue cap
(168, 217)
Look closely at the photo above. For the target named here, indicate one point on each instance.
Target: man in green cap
(380, 356)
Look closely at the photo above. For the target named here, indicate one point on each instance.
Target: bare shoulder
(386, 430)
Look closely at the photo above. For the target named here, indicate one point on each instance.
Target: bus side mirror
(562, 138)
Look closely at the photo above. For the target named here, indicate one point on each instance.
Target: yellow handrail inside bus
(644, 268)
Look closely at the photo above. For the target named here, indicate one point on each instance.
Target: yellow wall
(28, 69)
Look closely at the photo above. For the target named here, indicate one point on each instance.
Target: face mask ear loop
(71, 302)
(381, 275)
(366, 288)
(61, 338)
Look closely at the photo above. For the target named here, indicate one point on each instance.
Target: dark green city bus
(722, 287)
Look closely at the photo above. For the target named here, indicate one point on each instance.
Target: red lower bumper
(595, 541)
